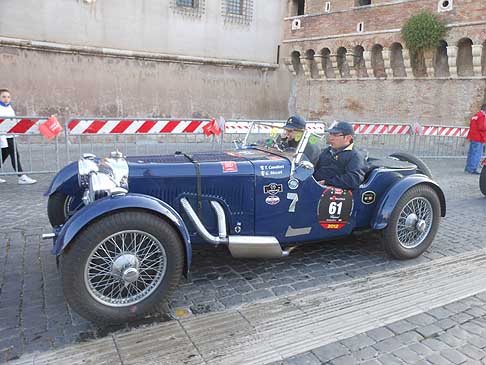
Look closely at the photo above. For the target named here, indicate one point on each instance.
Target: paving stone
(365, 354)
(379, 334)
(440, 313)
(437, 360)
(307, 358)
(421, 349)
(435, 344)
(344, 360)
(422, 319)
(453, 356)
(472, 351)
(387, 359)
(358, 342)
(461, 318)
(408, 356)
(445, 324)
(401, 326)
(430, 330)
(388, 345)
(329, 352)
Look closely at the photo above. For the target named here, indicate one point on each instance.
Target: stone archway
(377, 62)
(441, 62)
(311, 64)
(342, 63)
(359, 63)
(465, 58)
(297, 66)
(327, 64)
(396, 60)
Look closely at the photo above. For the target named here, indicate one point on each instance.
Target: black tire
(421, 165)
(399, 249)
(482, 181)
(76, 261)
(57, 208)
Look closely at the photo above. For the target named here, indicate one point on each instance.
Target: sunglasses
(337, 134)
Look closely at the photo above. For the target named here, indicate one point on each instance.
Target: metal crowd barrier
(37, 155)
(148, 136)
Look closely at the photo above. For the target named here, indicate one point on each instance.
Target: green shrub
(423, 32)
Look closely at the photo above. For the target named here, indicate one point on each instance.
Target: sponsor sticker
(272, 200)
(229, 166)
(273, 188)
(368, 197)
(293, 184)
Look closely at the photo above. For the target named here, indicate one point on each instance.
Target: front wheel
(413, 223)
(61, 206)
(122, 267)
(482, 180)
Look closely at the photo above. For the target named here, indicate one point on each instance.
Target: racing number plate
(335, 208)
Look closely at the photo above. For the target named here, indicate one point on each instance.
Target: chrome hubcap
(125, 268)
(414, 222)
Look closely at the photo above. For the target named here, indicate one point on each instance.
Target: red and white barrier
(21, 125)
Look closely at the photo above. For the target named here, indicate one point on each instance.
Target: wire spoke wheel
(414, 222)
(125, 268)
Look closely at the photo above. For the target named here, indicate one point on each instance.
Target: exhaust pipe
(239, 246)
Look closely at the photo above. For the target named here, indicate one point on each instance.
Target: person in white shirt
(7, 142)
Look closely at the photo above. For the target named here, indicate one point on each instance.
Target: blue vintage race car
(124, 227)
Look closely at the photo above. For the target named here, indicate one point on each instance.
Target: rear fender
(109, 205)
(66, 180)
(392, 196)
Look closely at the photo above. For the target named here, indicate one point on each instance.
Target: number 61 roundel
(335, 207)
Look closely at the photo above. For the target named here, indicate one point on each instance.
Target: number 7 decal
(295, 198)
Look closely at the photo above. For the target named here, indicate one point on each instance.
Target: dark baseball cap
(342, 127)
(295, 122)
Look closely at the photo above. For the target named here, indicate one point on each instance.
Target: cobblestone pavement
(35, 317)
(453, 334)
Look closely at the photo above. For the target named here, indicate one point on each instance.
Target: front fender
(107, 205)
(392, 196)
(66, 180)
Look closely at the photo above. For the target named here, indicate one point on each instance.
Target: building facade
(163, 58)
(348, 61)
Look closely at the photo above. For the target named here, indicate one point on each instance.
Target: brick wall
(448, 102)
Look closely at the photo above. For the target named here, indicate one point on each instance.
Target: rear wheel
(122, 267)
(413, 223)
(482, 180)
(421, 165)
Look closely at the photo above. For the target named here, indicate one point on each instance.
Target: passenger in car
(341, 164)
(294, 129)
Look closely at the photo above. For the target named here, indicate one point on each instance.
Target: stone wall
(69, 83)
(342, 71)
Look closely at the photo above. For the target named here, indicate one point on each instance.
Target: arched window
(465, 58)
(342, 63)
(483, 59)
(441, 63)
(377, 62)
(359, 62)
(309, 56)
(396, 60)
(327, 64)
(295, 56)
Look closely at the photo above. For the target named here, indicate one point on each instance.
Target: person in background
(477, 139)
(7, 142)
(341, 164)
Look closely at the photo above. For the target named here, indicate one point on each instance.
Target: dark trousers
(13, 152)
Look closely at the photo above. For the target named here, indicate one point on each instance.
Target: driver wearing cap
(341, 165)
(294, 129)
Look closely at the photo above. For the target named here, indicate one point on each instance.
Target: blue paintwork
(237, 179)
(390, 199)
(107, 205)
(66, 180)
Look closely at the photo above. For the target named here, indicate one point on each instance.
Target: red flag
(50, 128)
(212, 128)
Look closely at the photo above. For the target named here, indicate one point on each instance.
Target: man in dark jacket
(477, 138)
(341, 165)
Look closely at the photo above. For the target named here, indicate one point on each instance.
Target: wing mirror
(303, 170)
